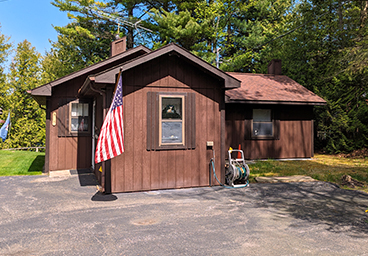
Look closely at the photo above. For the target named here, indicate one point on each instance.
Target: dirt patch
(145, 222)
(359, 153)
(347, 180)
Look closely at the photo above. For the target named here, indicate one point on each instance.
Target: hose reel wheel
(236, 173)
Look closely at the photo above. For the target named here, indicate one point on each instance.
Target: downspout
(41, 107)
(93, 132)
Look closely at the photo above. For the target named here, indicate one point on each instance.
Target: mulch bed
(347, 180)
(359, 153)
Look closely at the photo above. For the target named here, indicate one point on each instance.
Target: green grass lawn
(21, 163)
(321, 167)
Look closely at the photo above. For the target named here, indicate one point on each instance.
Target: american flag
(111, 140)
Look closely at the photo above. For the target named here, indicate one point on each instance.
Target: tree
(323, 46)
(196, 26)
(323, 54)
(27, 118)
(5, 48)
(249, 26)
(237, 28)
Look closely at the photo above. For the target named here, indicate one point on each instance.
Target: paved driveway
(64, 216)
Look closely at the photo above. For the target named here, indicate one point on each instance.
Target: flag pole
(116, 143)
(117, 80)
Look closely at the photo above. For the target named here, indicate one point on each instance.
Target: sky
(32, 20)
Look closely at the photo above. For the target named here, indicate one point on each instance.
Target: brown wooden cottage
(271, 115)
(162, 152)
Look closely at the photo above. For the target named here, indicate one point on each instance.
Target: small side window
(79, 117)
(262, 123)
(74, 117)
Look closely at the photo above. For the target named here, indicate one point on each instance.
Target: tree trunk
(363, 14)
(130, 39)
(340, 15)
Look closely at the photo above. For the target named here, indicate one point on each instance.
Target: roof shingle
(272, 89)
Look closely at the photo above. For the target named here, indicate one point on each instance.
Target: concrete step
(295, 178)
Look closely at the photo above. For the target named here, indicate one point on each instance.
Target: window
(79, 117)
(171, 120)
(172, 124)
(74, 117)
(262, 123)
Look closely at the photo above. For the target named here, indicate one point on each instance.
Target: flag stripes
(111, 140)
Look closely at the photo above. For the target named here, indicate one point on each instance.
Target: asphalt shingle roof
(271, 88)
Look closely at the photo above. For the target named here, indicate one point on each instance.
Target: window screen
(262, 122)
(79, 117)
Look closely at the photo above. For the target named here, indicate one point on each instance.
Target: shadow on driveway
(317, 203)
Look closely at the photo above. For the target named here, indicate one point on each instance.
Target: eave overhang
(40, 93)
(265, 102)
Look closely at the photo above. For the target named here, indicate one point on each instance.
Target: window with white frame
(262, 125)
(79, 117)
(172, 120)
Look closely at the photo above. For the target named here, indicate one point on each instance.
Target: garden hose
(225, 186)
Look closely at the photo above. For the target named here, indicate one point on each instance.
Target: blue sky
(31, 20)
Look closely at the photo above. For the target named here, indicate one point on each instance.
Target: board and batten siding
(294, 132)
(140, 168)
(67, 152)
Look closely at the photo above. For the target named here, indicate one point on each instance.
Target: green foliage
(83, 42)
(27, 118)
(5, 48)
(21, 163)
(249, 26)
(238, 28)
(324, 54)
(323, 46)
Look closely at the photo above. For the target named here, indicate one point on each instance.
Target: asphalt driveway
(40, 215)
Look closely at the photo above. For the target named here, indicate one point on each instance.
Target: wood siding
(139, 169)
(73, 152)
(67, 152)
(294, 136)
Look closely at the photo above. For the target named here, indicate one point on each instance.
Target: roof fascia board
(230, 82)
(85, 85)
(276, 102)
(44, 90)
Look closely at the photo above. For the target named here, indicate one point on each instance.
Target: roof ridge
(241, 73)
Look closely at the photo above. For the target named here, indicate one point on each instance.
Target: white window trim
(70, 117)
(182, 119)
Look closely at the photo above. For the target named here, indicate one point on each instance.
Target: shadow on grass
(37, 164)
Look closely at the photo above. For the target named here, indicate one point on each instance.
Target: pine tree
(323, 54)
(5, 47)
(27, 118)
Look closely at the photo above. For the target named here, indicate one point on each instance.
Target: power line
(118, 20)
